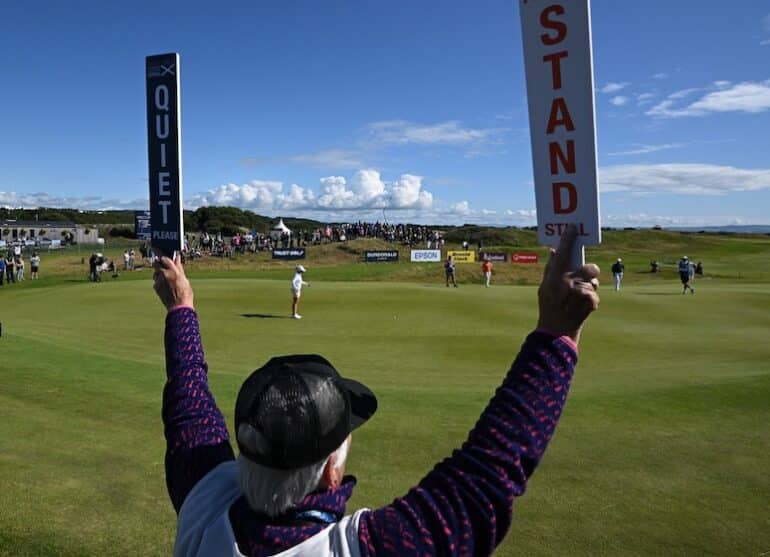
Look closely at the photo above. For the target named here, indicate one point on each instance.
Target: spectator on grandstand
(287, 492)
(449, 271)
(617, 273)
(34, 265)
(684, 275)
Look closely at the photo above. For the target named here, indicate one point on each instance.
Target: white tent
(279, 229)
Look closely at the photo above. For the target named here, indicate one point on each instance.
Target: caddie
(286, 492)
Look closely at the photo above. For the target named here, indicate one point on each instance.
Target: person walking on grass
(486, 269)
(287, 492)
(449, 271)
(684, 274)
(617, 273)
(296, 290)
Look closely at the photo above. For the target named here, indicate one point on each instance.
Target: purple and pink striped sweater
(462, 507)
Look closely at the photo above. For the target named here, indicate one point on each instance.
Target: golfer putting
(286, 492)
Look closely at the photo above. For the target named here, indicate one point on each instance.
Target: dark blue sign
(164, 152)
(142, 228)
(380, 255)
(294, 253)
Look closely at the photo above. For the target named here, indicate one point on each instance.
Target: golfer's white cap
(299, 269)
(619, 259)
(684, 257)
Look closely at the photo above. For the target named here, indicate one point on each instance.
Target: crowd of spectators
(197, 245)
(12, 266)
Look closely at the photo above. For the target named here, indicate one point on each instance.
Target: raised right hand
(566, 298)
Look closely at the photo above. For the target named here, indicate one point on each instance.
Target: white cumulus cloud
(365, 190)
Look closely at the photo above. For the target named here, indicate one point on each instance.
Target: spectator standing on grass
(34, 265)
(486, 269)
(684, 275)
(19, 262)
(10, 268)
(287, 490)
(449, 271)
(2, 270)
(93, 275)
(296, 290)
(617, 273)
(125, 260)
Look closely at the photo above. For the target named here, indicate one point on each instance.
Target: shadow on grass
(265, 316)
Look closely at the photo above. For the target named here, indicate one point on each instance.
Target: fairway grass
(662, 450)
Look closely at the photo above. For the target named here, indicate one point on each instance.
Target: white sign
(560, 94)
(426, 255)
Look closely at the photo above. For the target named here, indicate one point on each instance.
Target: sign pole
(558, 63)
(164, 153)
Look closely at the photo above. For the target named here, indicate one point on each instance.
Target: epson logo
(426, 255)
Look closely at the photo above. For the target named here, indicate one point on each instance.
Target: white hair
(272, 491)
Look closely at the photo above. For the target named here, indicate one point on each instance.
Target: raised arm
(196, 435)
(464, 505)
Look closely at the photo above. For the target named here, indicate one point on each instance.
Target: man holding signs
(560, 94)
(287, 490)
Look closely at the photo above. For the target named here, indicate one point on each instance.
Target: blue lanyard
(313, 515)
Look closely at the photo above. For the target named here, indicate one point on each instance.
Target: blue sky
(339, 109)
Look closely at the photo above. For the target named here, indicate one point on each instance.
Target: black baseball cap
(296, 410)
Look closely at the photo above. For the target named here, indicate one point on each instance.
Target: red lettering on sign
(555, 60)
(558, 26)
(559, 116)
(558, 207)
(556, 155)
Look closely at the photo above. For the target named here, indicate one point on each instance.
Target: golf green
(662, 449)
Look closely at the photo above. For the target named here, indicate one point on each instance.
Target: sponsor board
(560, 94)
(164, 152)
(380, 255)
(142, 226)
(426, 255)
(493, 256)
(462, 256)
(524, 257)
(294, 253)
